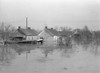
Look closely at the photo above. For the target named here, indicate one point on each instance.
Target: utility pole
(26, 22)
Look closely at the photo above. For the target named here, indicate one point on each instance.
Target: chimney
(29, 28)
(19, 27)
(26, 22)
(52, 28)
(46, 27)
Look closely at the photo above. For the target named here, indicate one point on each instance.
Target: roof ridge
(49, 31)
(52, 31)
(28, 31)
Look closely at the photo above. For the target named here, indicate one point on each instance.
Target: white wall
(31, 38)
(56, 39)
(45, 35)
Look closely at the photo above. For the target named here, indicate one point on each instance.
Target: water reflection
(8, 50)
(6, 54)
(46, 50)
(23, 48)
(67, 52)
(33, 55)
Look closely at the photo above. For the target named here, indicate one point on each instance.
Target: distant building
(17, 36)
(49, 35)
(25, 34)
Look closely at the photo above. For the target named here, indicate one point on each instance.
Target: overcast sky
(54, 13)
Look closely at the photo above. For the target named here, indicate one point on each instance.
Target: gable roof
(51, 31)
(16, 34)
(28, 32)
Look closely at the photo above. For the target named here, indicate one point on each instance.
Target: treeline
(79, 36)
(6, 31)
(86, 36)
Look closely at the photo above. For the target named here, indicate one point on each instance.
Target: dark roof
(16, 34)
(28, 32)
(52, 31)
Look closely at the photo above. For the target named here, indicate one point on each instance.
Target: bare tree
(5, 31)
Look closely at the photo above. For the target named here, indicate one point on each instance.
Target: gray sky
(72, 13)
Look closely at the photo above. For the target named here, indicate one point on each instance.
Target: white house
(49, 35)
(30, 34)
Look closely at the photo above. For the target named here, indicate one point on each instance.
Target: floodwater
(32, 59)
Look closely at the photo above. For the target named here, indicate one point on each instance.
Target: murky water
(33, 59)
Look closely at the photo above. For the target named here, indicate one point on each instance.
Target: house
(25, 34)
(49, 35)
(17, 36)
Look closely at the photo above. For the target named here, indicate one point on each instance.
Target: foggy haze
(53, 13)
